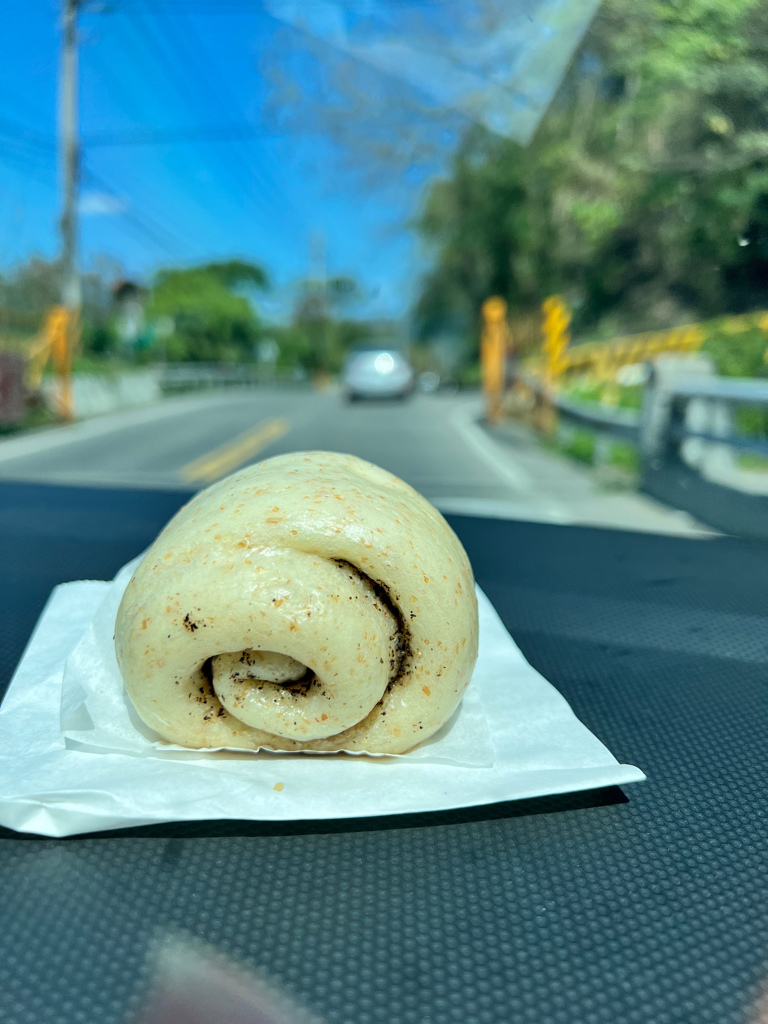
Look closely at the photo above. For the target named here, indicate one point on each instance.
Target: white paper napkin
(74, 758)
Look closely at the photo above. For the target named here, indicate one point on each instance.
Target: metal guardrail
(675, 397)
(744, 390)
(691, 442)
(688, 433)
(715, 393)
(178, 376)
(752, 445)
(622, 424)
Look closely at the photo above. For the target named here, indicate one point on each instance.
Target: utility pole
(70, 155)
(69, 152)
(319, 255)
(320, 267)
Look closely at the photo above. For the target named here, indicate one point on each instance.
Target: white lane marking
(56, 437)
(463, 421)
(492, 508)
(168, 481)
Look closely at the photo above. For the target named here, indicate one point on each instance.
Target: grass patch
(590, 449)
(580, 446)
(109, 367)
(624, 456)
(747, 460)
(40, 416)
(597, 392)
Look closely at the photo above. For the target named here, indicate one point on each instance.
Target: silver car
(378, 373)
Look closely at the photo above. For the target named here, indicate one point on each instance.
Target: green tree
(480, 222)
(643, 196)
(212, 310)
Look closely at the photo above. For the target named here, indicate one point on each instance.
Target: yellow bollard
(493, 354)
(61, 332)
(555, 324)
(557, 320)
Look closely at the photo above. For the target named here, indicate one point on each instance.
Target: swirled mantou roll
(311, 601)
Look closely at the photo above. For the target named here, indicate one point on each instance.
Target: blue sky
(153, 66)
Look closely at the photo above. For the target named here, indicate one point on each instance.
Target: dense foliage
(644, 195)
(211, 311)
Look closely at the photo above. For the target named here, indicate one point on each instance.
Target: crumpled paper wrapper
(75, 757)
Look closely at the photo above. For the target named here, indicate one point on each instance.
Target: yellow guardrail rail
(601, 360)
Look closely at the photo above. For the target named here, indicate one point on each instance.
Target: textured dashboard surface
(590, 908)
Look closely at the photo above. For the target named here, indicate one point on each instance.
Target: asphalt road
(434, 442)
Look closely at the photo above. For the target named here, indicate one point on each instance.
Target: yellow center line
(234, 453)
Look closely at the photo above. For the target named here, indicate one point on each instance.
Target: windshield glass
(551, 217)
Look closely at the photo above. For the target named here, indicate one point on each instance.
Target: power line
(29, 136)
(25, 148)
(30, 147)
(21, 105)
(177, 62)
(227, 99)
(97, 65)
(172, 136)
(29, 164)
(192, 134)
(185, 46)
(31, 161)
(152, 229)
(42, 147)
(232, 7)
(139, 42)
(144, 39)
